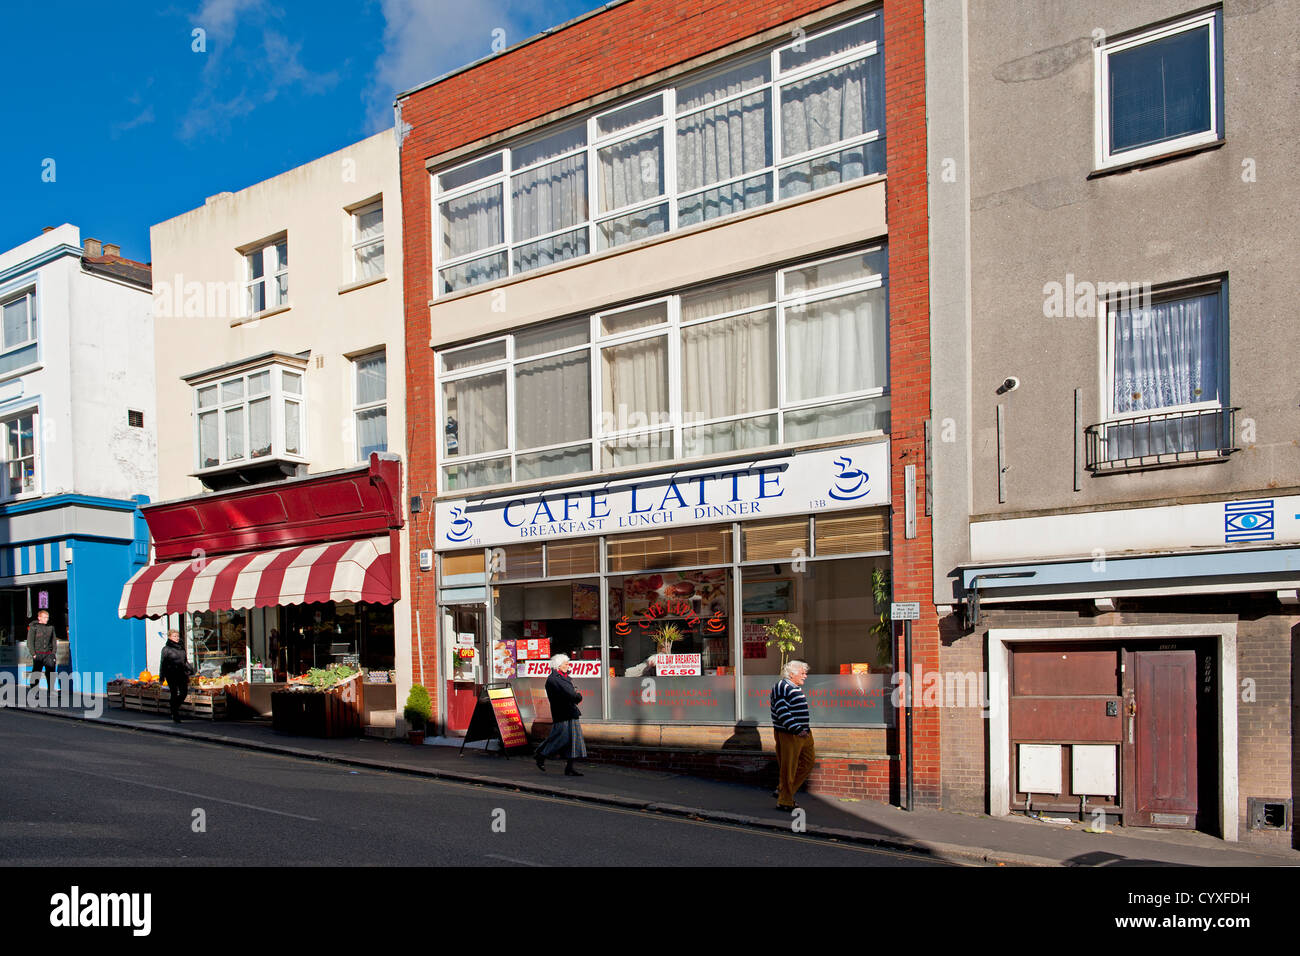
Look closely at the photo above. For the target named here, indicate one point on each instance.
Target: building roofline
(510, 49)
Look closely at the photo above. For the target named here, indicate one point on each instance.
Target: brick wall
(963, 737)
(603, 52)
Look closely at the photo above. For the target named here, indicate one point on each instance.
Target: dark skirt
(565, 740)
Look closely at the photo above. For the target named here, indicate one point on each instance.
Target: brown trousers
(795, 757)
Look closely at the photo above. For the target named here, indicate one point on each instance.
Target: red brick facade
(600, 53)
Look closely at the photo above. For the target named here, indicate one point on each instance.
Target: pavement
(941, 835)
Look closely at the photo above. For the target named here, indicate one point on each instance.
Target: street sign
(905, 611)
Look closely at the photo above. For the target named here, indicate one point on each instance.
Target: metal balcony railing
(1159, 440)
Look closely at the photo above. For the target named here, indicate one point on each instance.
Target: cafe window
(793, 355)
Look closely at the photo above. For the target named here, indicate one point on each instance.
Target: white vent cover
(1093, 770)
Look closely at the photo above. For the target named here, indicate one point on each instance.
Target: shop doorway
(464, 630)
(1162, 738)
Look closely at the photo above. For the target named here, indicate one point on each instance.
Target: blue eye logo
(1248, 520)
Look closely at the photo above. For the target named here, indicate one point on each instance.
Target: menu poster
(754, 632)
(586, 602)
(705, 591)
(678, 665)
(503, 660)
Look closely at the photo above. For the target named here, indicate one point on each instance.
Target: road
(81, 794)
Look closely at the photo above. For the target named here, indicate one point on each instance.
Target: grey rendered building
(1115, 431)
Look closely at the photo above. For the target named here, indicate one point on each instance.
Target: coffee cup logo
(850, 483)
(623, 628)
(461, 527)
(715, 623)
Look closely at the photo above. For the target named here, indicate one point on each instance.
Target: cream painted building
(280, 356)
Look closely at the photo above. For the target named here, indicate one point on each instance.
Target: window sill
(362, 283)
(19, 372)
(1163, 158)
(254, 319)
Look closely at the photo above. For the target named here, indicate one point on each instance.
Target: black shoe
(541, 763)
(176, 720)
(570, 772)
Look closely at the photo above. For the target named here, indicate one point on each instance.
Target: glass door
(465, 653)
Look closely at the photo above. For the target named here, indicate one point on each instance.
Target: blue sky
(117, 122)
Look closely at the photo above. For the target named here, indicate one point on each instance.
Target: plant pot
(415, 737)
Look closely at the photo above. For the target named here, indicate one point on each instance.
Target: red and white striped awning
(357, 570)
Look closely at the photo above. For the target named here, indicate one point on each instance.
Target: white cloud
(424, 39)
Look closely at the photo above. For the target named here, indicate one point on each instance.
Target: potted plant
(417, 712)
(666, 636)
(784, 636)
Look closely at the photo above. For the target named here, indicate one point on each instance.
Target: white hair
(559, 660)
(793, 666)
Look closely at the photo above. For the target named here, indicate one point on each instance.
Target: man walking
(176, 671)
(794, 743)
(41, 645)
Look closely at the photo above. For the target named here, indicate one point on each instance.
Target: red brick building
(668, 363)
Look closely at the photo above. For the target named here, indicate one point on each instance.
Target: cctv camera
(1008, 385)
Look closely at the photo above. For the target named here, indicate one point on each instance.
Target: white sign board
(678, 665)
(905, 611)
(1040, 768)
(577, 669)
(854, 476)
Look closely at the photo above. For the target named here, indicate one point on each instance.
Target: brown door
(1162, 732)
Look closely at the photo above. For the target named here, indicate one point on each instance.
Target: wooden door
(1162, 733)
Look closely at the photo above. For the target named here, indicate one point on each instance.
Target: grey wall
(1035, 216)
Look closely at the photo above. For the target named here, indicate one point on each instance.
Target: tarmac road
(79, 794)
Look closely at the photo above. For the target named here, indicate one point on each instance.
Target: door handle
(1132, 713)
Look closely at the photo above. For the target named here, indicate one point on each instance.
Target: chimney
(94, 248)
(112, 250)
(47, 229)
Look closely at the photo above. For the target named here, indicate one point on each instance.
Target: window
(249, 417)
(368, 242)
(18, 330)
(1167, 367)
(19, 432)
(1160, 91)
(370, 403)
(797, 118)
(798, 354)
(267, 286)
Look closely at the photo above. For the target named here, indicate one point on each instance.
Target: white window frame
(594, 141)
(269, 277)
(1106, 331)
(278, 397)
(358, 406)
(671, 328)
(359, 244)
(1102, 156)
(35, 490)
(28, 293)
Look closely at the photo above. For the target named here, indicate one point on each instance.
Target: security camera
(1008, 385)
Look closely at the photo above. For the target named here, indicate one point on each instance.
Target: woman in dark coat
(176, 671)
(565, 739)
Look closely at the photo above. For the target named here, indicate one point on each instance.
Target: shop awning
(357, 570)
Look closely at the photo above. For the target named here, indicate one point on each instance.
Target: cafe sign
(853, 476)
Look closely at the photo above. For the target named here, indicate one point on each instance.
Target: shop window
(463, 562)
(858, 533)
(695, 682)
(537, 621)
(672, 549)
(781, 540)
(573, 557)
(516, 562)
(831, 602)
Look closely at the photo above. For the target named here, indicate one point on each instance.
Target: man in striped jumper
(794, 743)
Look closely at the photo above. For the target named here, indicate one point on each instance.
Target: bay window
(248, 417)
(799, 117)
(797, 354)
(17, 330)
(19, 435)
